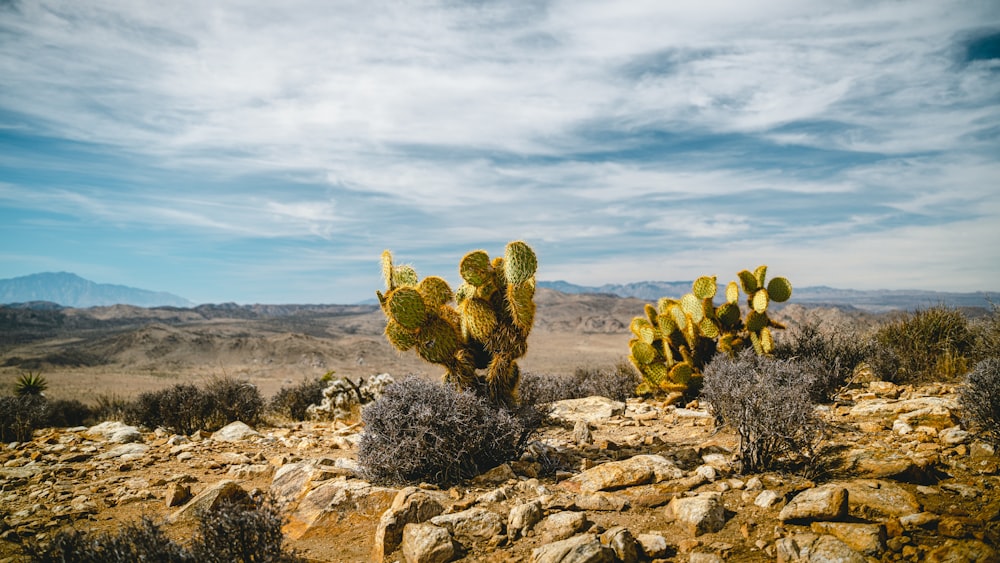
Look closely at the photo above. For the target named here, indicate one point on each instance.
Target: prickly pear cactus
(480, 337)
(674, 340)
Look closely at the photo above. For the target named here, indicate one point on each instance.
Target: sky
(268, 152)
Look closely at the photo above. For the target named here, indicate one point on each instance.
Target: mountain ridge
(70, 290)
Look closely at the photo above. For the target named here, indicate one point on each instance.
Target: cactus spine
(480, 338)
(674, 341)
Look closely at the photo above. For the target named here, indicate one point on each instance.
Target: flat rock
(234, 432)
(700, 514)
(962, 551)
(409, 506)
(585, 548)
(814, 548)
(114, 431)
(339, 507)
(601, 501)
(637, 470)
(561, 525)
(471, 527)
(826, 502)
(878, 500)
(211, 498)
(866, 539)
(126, 452)
(589, 409)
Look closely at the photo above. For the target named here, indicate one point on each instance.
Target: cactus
(478, 339)
(674, 341)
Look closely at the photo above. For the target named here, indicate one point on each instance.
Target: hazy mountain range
(70, 290)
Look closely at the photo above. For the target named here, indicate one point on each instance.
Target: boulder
(654, 546)
(589, 409)
(522, 518)
(216, 495)
(879, 500)
(115, 432)
(963, 551)
(561, 525)
(813, 548)
(473, 527)
(623, 543)
(339, 507)
(410, 506)
(866, 539)
(700, 514)
(827, 502)
(637, 470)
(585, 548)
(601, 502)
(234, 432)
(427, 543)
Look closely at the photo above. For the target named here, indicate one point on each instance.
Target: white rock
(589, 409)
(234, 432)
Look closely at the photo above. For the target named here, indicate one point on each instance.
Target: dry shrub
(618, 383)
(425, 431)
(929, 344)
(767, 402)
(20, 415)
(292, 402)
(829, 357)
(980, 399)
(185, 408)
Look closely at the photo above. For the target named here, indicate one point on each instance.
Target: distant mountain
(70, 290)
(877, 301)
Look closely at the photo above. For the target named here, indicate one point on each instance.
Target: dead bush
(980, 399)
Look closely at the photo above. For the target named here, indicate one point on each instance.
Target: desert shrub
(425, 431)
(292, 402)
(242, 532)
(110, 407)
(767, 402)
(230, 399)
(62, 413)
(829, 358)
(618, 383)
(31, 383)
(986, 334)
(20, 415)
(929, 344)
(233, 533)
(980, 399)
(144, 541)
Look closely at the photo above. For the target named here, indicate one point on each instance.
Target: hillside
(70, 290)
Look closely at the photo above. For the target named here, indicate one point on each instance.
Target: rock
(826, 502)
(918, 520)
(953, 436)
(115, 432)
(472, 527)
(177, 494)
(637, 470)
(767, 498)
(522, 518)
(234, 432)
(866, 539)
(654, 546)
(561, 525)
(590, 409)
(584, 548)
(410, 506)
(703, 557)
(211, 498)
(700, 514)
(292, 481)
(499, 474)
(126, 452)
(967, 551)
(879, 500)
(427, 543)
(621, 541)
(650, 496)
(337, 507)
(812, 548)
(602, 502)
(581, 433)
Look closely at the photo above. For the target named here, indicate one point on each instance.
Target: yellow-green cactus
(676, 339)
(476, 332)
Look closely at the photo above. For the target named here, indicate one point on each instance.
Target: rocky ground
(638, 481)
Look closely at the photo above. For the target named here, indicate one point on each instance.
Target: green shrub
(31, 383)
(929, 344)
(618, 383)
(980, 399)
(20, 415)
(233, 533)
(767, 402)
(292, 402)
(425, 431)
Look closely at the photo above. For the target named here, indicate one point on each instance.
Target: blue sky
(261, 151)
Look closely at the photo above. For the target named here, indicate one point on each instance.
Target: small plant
(110, 407)
(425, 431)
(63, 413)
(292, 402)
(185, 408)
(230, 399)
(830, 357)
(233, 533)
(676, 339)
(929, 344)
(477, 341)
(980, 399)
(766, 401)
(31, 383)
(20, 415)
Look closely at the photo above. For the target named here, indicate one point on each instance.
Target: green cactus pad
(664, 305)
(760, 301)
(756, 344)
(766, 341)
(478, 318)
(521, 305)
(642, 352)
(748, 281)
(400, 338)
(704, 287)
(681, 373)
(666, 325)
(732, 293)
(651, 313)
(520, 262)
(656, 373)
(728, 314)
(435, 291)
(680, 319)
(760, 274)
(757, 322)
(693, 306)
(779, 289)
(406, 307)
(404, 276)
(437, 341)
(475, 268)
(708, 328)
(643, 330)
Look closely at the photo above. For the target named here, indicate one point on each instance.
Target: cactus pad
(478, 318)
(704, 287)
(520, 263)
(475, 268)
(435, 291)
(732, 293)
(779, 289)
(400, 338)
(748, 281)
(643, 330)
(406, 307)
(693, 306)
(643, 353)
(437, 341)
(760, 301)
(404, 276)
(760, 274)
